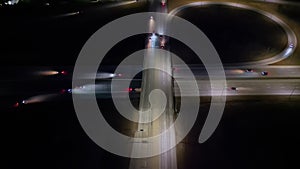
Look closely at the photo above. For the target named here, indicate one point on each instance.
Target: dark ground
(255, 132)
(38, 40)
(238, 35)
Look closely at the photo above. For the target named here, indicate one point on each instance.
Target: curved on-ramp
(292, 39)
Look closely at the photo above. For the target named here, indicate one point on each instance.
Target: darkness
(235, 34)
(259, 133)
(32, 39)
(255, 131)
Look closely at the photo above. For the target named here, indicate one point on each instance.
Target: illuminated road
(248, 87)
(161, 101)
(279, 2)
(288, 76)
(199, 71)
(163, 82)
(241, 72)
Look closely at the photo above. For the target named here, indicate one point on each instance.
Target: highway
(279, 2)
(249, 87)
(159, 85)
(240, 72)
(280, 80)
(244, 87)
(149, 108)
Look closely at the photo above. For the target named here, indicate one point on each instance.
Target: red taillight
(64, 72)
(16, 104)
(129, 89)
(63, 91)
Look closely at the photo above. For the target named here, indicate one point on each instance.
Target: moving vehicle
(264, 73)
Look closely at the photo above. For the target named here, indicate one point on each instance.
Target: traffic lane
(58, 10)
(103, 88)
(156, 79)
(244, 87)
(27, 89)
(18, 74)
(25, 80)
(242, 71)
(25, 73)
(199, 71)
(37, 84)
(168, 159)
(279, 2)
(152, 80)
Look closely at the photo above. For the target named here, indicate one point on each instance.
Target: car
(69, 90)
(234, 88)
(16, 104)
(63, 72)
(63, 91)
(264, 73)
(249, 70)
(291, 45)
(162, 42)
(152, 35)
(134, 90)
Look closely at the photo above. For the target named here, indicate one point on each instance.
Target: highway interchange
(243, 80)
